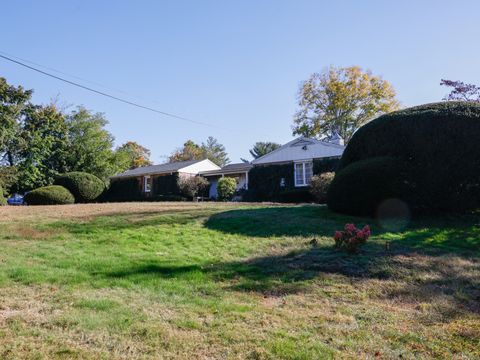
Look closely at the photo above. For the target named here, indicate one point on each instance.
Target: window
(303, 173)
(147, 184)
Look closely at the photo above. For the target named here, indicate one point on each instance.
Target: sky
(236, 65)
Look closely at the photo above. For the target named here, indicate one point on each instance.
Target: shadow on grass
(138, 220)
(303, 220)
(434, 234)
(434, 258)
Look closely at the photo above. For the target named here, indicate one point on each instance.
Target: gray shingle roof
(230, 168)
(157, 169)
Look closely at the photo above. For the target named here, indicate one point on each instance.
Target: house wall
(265, 181)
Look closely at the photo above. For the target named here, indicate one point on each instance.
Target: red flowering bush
(351, 238)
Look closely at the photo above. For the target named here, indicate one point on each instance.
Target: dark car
(15, 199)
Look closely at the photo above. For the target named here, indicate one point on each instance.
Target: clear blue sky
(235, 64)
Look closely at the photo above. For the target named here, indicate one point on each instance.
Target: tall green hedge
(84, 187)
(123, 189)
(360, 188)
(437, 147)
(324, 165)
(166, 185)
(49, 195)
(264, 182)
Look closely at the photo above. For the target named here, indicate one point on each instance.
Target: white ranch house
(300, 152)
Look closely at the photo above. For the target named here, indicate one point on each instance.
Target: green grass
(235, 282)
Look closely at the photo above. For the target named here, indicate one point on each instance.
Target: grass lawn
(229, 281)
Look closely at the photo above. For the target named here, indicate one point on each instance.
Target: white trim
(145, 182)
(304, 177)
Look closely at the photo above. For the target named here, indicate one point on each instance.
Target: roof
(157, 169)
(301, 148)
(229, 169)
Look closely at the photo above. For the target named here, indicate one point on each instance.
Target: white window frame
(145, 182)
(303, 163)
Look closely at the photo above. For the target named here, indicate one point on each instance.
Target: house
(156, 180)
(281, 175)
(283, 171)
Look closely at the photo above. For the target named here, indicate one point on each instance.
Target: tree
(211, 150)
(461, 91)
(91, 145)
(45, 132)
(338, 101)
(189, 151)
(192, 185)
(14, 101)
(261, 148)
(139, 155)
(215, 152)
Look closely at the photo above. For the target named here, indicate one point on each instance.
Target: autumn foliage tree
(336, 102)
(211, 149)
(137, 154)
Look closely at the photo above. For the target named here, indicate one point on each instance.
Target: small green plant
(49, 195)
(83, 186)
(226, 188)
(351, 238)
(319, 186)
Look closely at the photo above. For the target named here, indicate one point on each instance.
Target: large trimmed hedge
(123, 189)
(435, 146)
(84, 187)
(361, 187)
(49, 195)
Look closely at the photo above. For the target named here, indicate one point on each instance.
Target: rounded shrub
(84, 187)
(319, 186)
(226, 188)
(49, 195)
(436, 147)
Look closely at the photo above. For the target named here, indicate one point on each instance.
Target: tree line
(39, 142)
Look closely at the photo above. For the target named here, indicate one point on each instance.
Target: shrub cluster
(226, 188)
(427, 156)
(83, 186)
(192, 186)
(49, 195)
(319, 186)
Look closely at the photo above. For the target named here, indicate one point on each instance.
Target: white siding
(204, 165)
(301, 149)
